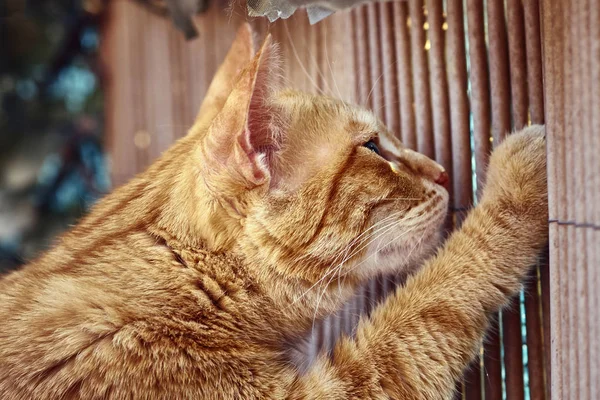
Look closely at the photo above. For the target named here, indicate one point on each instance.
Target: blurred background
(52, 164)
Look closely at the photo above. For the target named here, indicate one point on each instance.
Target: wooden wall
(571, 32)
(451, 77)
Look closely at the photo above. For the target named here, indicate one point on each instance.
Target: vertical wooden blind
(452, 78)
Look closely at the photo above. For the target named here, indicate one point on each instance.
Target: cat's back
(117, 314)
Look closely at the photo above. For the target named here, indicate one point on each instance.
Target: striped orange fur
(192, 280)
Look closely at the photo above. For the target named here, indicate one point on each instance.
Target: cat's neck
(296, 303)
(304, 303)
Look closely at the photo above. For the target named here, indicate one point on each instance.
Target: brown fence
(452, 78)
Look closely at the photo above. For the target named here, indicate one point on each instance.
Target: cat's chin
(400, 256)
(401, 248)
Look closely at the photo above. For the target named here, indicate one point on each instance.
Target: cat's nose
(442, 179)
(426, 167)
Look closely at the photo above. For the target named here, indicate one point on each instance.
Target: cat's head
(306, 183)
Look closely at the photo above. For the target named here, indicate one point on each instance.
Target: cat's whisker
(375, 228)
(297, 56)
(378, 249)
(339, 267)
(332, 270)
(329, 64)
(417, 244)
(386, 228)
(353, 242)
(375, 253)
(320, 297)
(319, 72)
(351, 255)
(378, 79)
(385, 105)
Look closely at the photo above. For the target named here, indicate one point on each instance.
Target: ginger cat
(192, 281)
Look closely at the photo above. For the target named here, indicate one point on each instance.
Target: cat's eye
(371, 145)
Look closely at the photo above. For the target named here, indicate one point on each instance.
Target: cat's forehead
(358, 123)
(364, 119)
(362, 123)
(366, 125)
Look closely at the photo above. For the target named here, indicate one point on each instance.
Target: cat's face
(319, 188)
(345, 194)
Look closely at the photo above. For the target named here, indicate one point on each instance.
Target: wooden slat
(311, 49)
(374, 98)
(440, 101)
(404, 71)
(420, 71)
(581, 125)
(500, 101)
(154, 80)
(571, 260)
(492, 364)
(553, 94)
(513, 356)
(480, 89)
(391, 111)
(439, 85)
(535, 348)
(593, 188)
(118, 39)
(316, 43)
(537, 295)
(138, 73)
(462, 193)
(499, 69)
(361, 56)
(537, 307)
(586, 195)
(534, 60)
(517, 62)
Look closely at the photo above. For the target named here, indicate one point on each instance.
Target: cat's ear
(241, 141)
(240, 53)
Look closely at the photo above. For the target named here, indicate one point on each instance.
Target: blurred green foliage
(52, 167)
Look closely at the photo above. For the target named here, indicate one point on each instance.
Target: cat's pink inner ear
(243, 136)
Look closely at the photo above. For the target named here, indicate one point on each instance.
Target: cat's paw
(516, 178)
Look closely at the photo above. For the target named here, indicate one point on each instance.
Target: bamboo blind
(571, 33)
(451, 77)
